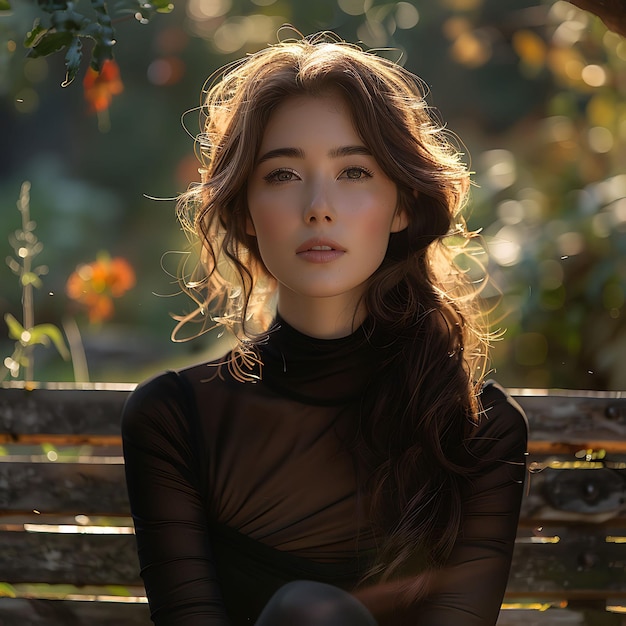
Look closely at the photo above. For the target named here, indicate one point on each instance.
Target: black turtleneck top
(239, 487)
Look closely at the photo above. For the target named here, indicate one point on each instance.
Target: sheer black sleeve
(468, 591)
(162, 474)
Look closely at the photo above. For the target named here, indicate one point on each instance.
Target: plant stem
(77, 350)
(28, 312)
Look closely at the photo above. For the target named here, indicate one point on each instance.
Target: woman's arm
(163, 474)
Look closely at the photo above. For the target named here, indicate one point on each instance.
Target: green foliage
(7, 591)
(508, 76)
(42, 334)
(26, 334)
(65, 25)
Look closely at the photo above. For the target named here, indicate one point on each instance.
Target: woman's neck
(322, 318)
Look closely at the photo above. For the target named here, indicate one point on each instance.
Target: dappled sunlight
(536, 92)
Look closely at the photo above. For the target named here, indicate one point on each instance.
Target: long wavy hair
(422, 308)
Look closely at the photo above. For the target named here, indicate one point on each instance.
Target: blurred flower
(94, 285)
(100, 87)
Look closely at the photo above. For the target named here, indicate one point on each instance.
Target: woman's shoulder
(169, 396)
(501, 418)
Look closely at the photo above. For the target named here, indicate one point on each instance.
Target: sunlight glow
(73, 529)
(594, 75)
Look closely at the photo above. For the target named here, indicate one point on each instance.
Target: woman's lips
(320, 251)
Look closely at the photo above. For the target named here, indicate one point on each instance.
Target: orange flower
(94, 285)
(100, 87)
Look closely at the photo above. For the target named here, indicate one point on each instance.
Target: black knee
(309, 603)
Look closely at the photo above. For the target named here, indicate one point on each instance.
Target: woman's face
(320, 205)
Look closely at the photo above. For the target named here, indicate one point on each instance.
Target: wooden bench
(67, 553)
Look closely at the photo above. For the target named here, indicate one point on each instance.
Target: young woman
(345, 463)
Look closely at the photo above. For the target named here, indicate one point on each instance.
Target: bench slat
(590, 495)
(61, 411)
(78, 488)
(553, 416)
(37, 612)
(581, 565)
(73, 559)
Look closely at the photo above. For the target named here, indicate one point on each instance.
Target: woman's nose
(319, 206)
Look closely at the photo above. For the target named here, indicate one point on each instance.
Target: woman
(344, 463)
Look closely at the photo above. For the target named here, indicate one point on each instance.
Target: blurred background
(534, 89)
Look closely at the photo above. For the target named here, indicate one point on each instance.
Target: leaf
(13, 265)
(30, 278)
(73, 57)
(42, 333)
(5, 5)
(47, 447)
(163, 6)
(118, 590)
(34, 35)
(99, 55)
(7, 591)
(50, 6)
(16, 330)
(50, 43)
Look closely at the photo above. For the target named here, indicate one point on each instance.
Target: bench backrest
(67, 551)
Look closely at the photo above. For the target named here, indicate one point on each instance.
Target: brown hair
(421, 309)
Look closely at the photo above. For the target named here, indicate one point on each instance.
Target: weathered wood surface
(577, 492)
(584, 495)
(575, 419)
(73, 559)
(559, 617)
(72, 414)
(91, 488)
(37, 612)
(564, 417)
(33, 612)
(582, 564)
(81, 488)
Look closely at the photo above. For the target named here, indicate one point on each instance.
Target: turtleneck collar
(317, 371)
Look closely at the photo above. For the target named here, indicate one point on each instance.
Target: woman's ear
(400, 221)
(401, 216)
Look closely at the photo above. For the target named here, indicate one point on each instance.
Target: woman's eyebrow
(281, 152)
(297, 153)
(349, 151)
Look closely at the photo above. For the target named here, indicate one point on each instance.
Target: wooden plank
(575, 417)
(35, 612)
(8, 521)
(74, 559)
(60, 411)
(584, 495)
(60, 440)
(99, 488)
(581, 564)
(42, 612)
(569, 616)
(575, 562)
(571, 418)
(38, 612)
(535, 444)
(76, 488)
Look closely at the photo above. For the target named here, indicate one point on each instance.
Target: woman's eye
(356, 173)
(281, 176)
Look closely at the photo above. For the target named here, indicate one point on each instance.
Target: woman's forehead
(303, 116)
